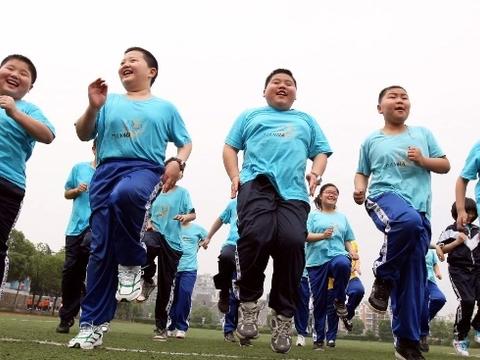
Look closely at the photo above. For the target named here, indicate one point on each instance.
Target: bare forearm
(460, 193)
(71, 194)
(230, 161)
(437, 165)
(319, 164)
(313, 237)
(85, 125)
(217, 224)
(360, 182)
(184, 151)
(40, 132)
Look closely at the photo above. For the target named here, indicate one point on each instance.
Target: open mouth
(282, 93)
(12, 82)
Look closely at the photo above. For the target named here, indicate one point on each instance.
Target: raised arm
(97, 94)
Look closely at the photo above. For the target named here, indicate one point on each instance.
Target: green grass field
(33, 337)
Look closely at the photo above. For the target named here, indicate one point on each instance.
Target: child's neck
(393, 128)
(139, 94)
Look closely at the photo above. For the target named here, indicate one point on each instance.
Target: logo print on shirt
(132, 130)
(284, 132)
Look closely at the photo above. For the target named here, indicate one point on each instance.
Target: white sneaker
(300, 340)
(89, 337)
(170, 333)
(461, 347)
(180, 334)
(105, 327)
(129, 283)
(147, 288)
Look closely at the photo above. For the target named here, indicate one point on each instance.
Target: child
(132, 133)
(21, 125)
(77, 242)
(273, 204)
(463, 256)
(193, 236)
(169, 212)
(399, 159)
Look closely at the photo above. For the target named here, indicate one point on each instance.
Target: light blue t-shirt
(164, 208)
(16, 145)
(384, 158)
(277, 144)
(81, 173)
(319, 252)
(430, 260)
(191, 234)
(229, 216)
(138, 129)
(471, 170)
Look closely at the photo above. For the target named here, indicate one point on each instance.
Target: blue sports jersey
(430, 260)
(471, 170)
(319, 252)
(277, 144)
(138, 129)
(384, 158)
(164, 208)
(229, 216)
(81, 173)
(192, 234)
(16, 145)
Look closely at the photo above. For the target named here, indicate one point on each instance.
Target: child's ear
(379, 109)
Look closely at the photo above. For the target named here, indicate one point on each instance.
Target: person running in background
(192, 236)
(398, 159)
(463, 259)
(273, 203)
(77, 242)
(22, 124)
(132, 132)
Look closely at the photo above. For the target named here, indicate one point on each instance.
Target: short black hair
(149, 58)
(279, 71)
(384, 91)
(317, 201)
(470, 207)
(26, 60)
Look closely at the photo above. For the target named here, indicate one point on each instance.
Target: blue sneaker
(461, 347)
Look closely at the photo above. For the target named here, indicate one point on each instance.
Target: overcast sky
(214, 56)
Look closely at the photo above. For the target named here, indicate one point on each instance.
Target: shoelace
(283, 327)
(127, 276)
(250, 315)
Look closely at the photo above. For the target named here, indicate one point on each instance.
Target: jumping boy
(22, 124)
(132, 133)
(273, 203)
(399, 159)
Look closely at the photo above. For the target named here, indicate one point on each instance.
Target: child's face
(395, 106)
(280, 92)
(134, 71)
(470, 217)
(15, 79)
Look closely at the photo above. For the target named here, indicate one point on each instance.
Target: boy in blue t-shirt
(398, 160)
(276, 141)
(132, 132)
(77, 242)
(192, 236)
(22, 124)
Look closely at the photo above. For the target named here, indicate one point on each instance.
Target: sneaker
(347, 324)
(300, 340)
(159, 334)
(170, 333)
(477, 336)
(105, 327)
(147, 289)
(281, 333)
(247, 320)
(408, 350)
(341, 309)
(245, 342)
(318, 346)
(223, 299)
(129, 283)
(180, 334)
(461, 347)
(64, 326)
(331, 343)
(89, 337)
(229, 337)
(424, 347)
(378, 299)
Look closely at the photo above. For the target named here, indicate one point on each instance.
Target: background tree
(201, 315)
(385, 330)
(358, 326)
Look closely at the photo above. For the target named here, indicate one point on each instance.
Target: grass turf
(33, 337)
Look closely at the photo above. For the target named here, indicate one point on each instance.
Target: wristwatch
(180, 162)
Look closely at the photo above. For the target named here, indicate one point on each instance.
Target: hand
(204, 243)
(171, 176)
(354, 256)
(234, 187)
(415, 154)
(439, 276)
(182, 218)
(97, 93)
(462, 218)
(149, 226)
(313, 180)
(359, 196)
(8, 104)
(440, 253)
(461, 238)
(328, 233)
(82, 188)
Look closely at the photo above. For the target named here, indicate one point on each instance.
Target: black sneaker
(223, 298)
(281, 326)
(380, 294)
(319, 346)
(247, 320)
(408, 350)
(245, 342)
(64, 326)
(347, 324)
(229, 337)
(331, 343)
(424, 347)
(340, 309)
